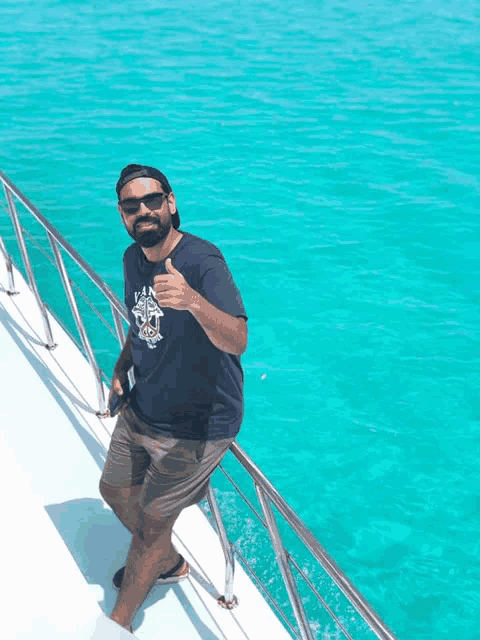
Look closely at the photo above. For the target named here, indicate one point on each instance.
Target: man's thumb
(170, 268)
(117, 387)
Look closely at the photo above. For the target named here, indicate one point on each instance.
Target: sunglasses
(151, 200)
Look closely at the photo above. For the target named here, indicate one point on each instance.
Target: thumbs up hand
(172, 290)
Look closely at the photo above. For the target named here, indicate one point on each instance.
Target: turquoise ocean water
(331, 150)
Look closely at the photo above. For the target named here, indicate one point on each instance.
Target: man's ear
(121, 213)
(172, 205)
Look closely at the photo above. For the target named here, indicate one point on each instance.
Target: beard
(150, 237)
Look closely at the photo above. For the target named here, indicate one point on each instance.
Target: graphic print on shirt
(147, 316)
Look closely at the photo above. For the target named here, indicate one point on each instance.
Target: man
(187, 330)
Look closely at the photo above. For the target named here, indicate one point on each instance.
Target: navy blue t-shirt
(185, 386)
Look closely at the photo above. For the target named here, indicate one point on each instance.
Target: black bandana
(144, 172)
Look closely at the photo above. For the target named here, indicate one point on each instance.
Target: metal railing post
(282, 561)
(229, 600)
(26, 261)
(102, 413)
(8, 261)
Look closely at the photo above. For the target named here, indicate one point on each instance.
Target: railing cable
(319, 597)
(242, 495)
(84, 297)
(265, 590)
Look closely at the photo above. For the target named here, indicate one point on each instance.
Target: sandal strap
(172, 571)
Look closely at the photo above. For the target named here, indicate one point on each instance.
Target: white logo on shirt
(147, 315)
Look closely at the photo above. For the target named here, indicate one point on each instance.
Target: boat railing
(265, 491)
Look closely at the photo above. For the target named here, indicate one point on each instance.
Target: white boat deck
(60, 543)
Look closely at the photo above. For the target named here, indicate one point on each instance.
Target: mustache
(150, 220)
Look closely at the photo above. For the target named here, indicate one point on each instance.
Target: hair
(133, 171)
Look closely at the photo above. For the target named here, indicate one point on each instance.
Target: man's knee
(107, 492)
(116, 495)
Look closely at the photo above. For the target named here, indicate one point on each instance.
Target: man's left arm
(226, 332)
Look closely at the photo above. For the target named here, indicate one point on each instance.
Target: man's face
(152, 221)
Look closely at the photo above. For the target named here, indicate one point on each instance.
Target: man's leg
(151, 553)
(124, 503)
(125, 465)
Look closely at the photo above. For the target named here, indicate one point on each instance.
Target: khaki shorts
(174, 472)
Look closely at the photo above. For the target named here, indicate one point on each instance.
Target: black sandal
(163, 578)
(169, 577)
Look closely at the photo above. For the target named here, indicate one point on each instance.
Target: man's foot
(176, 574)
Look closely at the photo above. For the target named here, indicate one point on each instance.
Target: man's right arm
(125, 360)
(123, 366)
